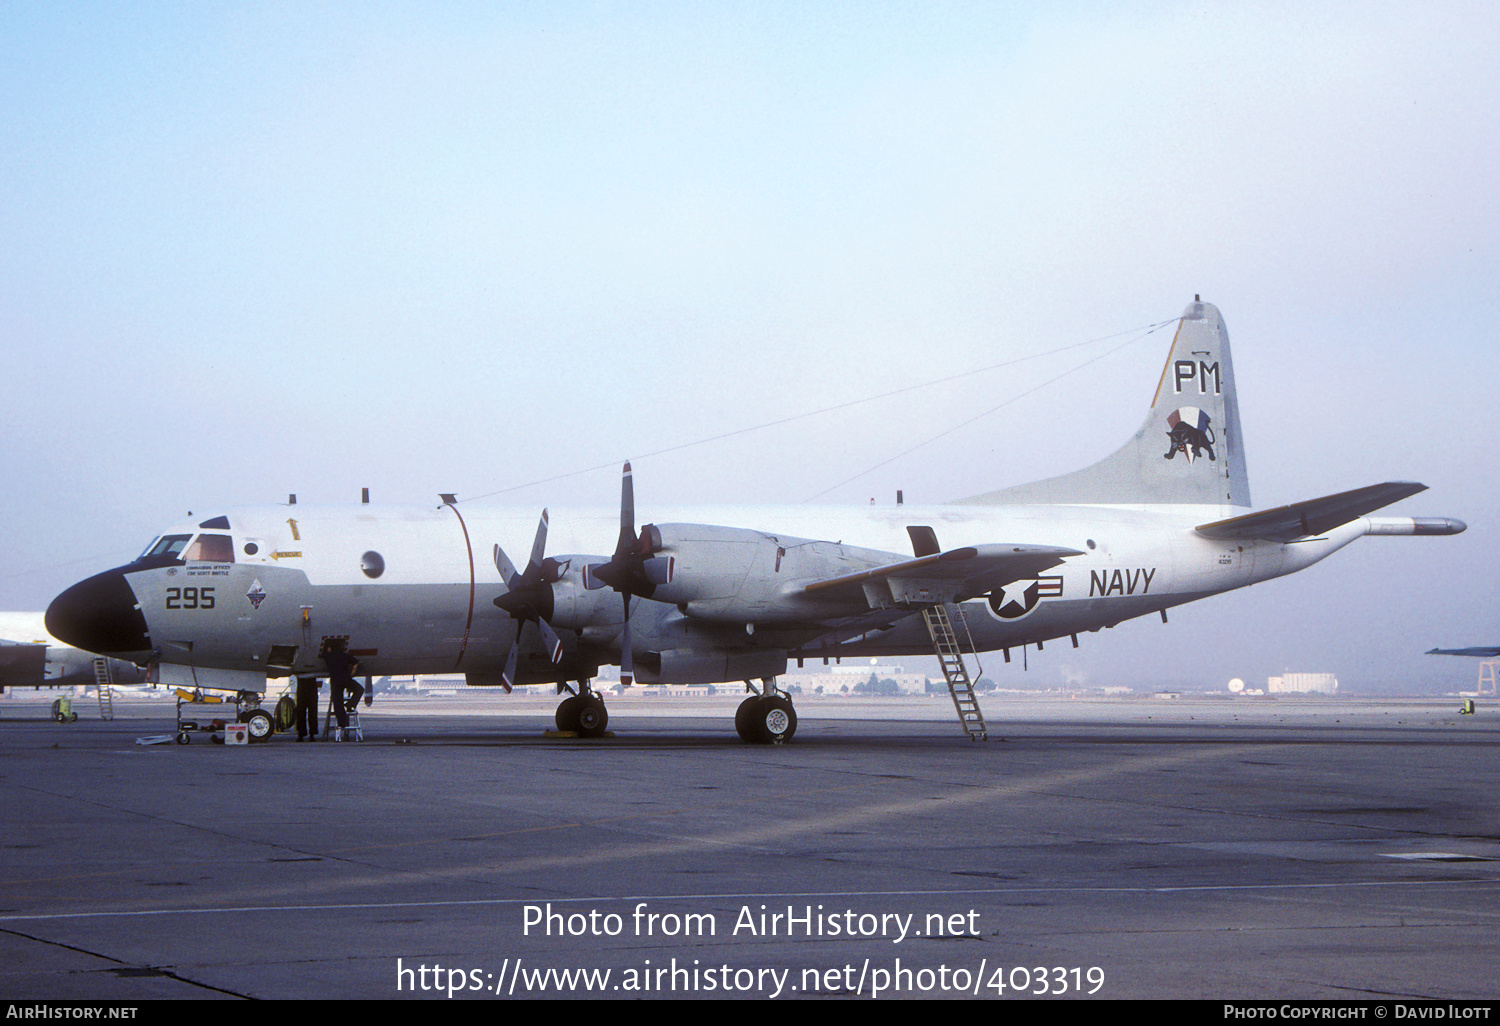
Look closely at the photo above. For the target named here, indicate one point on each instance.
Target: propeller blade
(627, 660)
(554, 643)
(508, 678)
(627, 513)
(506, 568)
(539, 546)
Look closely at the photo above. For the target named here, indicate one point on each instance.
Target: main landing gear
(767, 717)
(582, 713)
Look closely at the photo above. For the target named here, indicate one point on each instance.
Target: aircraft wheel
(592, 717)
(184, 738)
(260, 723)
(777, 719)
(746, 721)
(567, 714)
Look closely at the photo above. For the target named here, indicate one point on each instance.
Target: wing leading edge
(951, 576)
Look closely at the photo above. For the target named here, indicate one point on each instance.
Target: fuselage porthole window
(373, 564)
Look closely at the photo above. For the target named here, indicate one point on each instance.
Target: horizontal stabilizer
(1313, 516)
(1482, 653)
(965, 572)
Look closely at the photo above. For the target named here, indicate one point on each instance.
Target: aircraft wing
(1482, 653)
(950, 576)
(869, 625)
(1313, 516)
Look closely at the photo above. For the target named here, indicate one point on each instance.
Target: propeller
(631, 571)
(528, 596)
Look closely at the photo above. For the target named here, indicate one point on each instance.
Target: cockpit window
(168, 546)
(211, 548)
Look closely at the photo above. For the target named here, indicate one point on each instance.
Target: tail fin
(1189, 450)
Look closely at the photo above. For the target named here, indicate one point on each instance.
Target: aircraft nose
(100, 615)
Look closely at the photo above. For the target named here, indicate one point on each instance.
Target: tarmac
(1206, 848)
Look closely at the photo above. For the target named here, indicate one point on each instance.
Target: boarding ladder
(1487, 678)
(104, 684)
(951, 658)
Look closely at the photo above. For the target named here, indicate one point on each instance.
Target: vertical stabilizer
(1189, 450)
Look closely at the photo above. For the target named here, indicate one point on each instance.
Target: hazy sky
(247, 250)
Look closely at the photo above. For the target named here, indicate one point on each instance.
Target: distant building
(1303, 683)
(846, 677)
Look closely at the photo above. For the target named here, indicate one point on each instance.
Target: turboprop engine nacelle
(577, 608)
(737, 575)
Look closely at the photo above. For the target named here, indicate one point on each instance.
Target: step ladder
(951, 658)
(333, 732)
(104, 684)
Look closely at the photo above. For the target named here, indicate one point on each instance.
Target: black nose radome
(100, 615)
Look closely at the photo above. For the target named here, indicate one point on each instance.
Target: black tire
(567, 714)
(260, 723)
(184, 738)
(777, 719)
(747, 721)
(592, 717)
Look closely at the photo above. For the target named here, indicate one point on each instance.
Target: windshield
(168, 546)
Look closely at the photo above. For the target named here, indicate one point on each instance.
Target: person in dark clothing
(307, 708)
(356, 690)
(341, 667)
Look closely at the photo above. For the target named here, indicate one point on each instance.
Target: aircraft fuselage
(413, 588)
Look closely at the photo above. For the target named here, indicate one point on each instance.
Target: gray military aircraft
(716, 595)
(31, 658)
